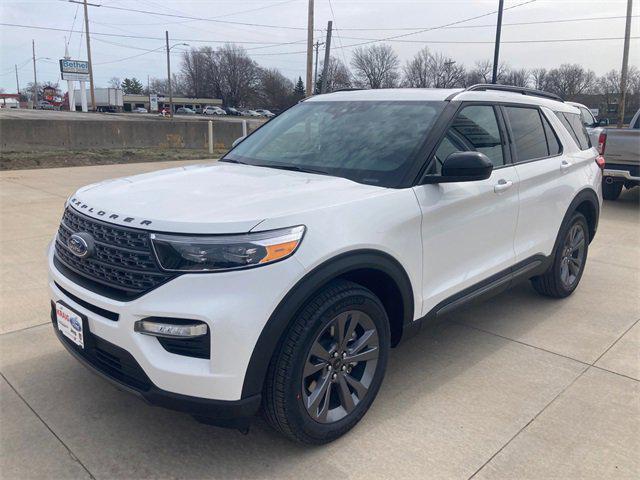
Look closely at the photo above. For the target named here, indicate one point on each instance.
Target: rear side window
(573, 123)
(587, 117)
(555, 148)
(528, 132)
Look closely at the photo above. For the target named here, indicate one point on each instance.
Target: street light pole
(166, 32)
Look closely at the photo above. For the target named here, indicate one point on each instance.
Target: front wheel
(330, 365)
(570, 258)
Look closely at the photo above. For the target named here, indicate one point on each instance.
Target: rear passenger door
(468, 227)
(540, 164)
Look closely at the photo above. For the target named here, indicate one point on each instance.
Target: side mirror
(237, 141)
(603, 122)
(463, 167)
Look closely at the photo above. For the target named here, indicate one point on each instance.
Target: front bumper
(120, 368)
(235, 306)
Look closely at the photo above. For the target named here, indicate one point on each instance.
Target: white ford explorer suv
(278, 278)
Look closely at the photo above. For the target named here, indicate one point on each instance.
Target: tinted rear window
(573, 124)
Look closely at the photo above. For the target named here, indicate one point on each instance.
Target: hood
(213, 198)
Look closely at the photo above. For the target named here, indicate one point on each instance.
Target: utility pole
(35, 76)
(86, 29)
(625, 64)
(315, 75)
(17, 82)
(166, 32)
(310, 50)
(327, 52)
(496, 52)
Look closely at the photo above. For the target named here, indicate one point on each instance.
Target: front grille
(122, 259)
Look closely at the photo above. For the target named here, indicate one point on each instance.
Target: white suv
(280, 276)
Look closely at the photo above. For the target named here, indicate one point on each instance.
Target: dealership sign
(74, 70)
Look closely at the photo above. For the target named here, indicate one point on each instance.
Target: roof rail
(514, 89)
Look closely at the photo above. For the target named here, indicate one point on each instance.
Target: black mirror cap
(463, 167)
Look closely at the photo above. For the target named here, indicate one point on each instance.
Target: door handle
(564, 165)
(502, 185)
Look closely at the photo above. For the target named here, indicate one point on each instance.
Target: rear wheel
(565, 273)
(611, 191)
(330, 366)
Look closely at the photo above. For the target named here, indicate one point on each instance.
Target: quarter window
(528, 132)
(573, 123)
(476, 129)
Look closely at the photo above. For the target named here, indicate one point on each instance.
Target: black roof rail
(511, 88)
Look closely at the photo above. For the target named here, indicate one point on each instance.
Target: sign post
(72, 71)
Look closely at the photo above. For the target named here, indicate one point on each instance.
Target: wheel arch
(373, 269)
(587, 203)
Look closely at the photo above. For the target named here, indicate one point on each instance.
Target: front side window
(475, 128)
(371, 142)
(528, 133)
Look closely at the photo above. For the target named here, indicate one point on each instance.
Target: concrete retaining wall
(18, 135)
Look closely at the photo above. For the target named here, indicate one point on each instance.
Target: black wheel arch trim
(296, 298)
(586, 195)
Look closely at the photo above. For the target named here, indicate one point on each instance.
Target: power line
(141, 37)
(333, 17)
(132, 56)
(492, 25)
(188, 17)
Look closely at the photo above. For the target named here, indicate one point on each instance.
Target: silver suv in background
(621, 149)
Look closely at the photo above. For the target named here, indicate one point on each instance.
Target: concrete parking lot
(518, 387)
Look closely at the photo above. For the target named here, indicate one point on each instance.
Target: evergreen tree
(298, 91)
(132, 86)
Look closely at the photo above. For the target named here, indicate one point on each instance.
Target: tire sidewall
(356, 299)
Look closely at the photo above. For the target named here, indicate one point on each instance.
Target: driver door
(468, 228)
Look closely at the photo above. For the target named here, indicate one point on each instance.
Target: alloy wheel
(340, 366)
(573, 252)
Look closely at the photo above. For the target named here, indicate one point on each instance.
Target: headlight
(181, 253)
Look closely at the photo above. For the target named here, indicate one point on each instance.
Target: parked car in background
(212, 110)
(140, 110)
(621, 150)
(185, 111)
(44, 105)
(280, 276)
(233, 111)
(265, 113)
(250, 113)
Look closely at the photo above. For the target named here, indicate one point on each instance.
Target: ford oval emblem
(80, 244)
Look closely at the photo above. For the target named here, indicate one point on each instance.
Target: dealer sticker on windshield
(70, 324)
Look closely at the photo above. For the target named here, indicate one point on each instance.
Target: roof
(441, 94)
(387, 94)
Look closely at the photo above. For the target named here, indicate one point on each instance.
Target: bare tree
(518, 77)
(539, 78)
(416, 71)
(200, 72)
(338, 76)
(570, 80)
(238, 75)
(115, 82)
(445, 73)
(275, 90)
(375, 66)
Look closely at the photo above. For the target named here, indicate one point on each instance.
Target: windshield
(365, 141)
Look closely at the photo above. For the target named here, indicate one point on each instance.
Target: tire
(570, 256)
(611, 191)
(288, 394)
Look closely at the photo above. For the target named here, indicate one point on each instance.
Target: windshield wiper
(231, 160)
(292, 168)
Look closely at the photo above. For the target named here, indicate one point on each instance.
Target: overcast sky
(384, 18)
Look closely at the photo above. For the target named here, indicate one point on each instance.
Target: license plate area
(71, 324)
